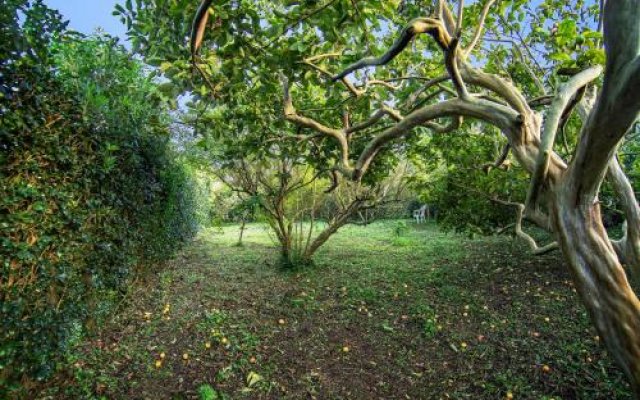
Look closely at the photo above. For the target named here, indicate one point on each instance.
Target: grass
(383, 314)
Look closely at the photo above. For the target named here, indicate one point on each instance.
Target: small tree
(243, 212)
(302, 209)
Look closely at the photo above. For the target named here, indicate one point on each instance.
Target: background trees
(302, 209)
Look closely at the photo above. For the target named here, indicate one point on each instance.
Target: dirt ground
(426, 315)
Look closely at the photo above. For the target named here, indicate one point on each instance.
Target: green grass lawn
(424, 315)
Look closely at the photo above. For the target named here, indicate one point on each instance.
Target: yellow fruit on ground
(162, 355)
(158, 363)
(345, 349)
(207, 345)
(509, 396)
(185, 356)
(546, 368)
(281, 321)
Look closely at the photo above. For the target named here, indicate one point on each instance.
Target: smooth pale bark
(628, 247)
(600, 281)
(600, 278)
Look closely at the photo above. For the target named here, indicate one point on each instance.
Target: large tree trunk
(598, 273)
(600, 281)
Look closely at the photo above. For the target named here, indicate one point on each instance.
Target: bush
(462, 194)
(90, 192)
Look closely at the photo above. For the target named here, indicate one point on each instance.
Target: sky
(87, 15)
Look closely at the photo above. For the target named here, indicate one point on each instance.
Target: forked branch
(530, 241)
(500, 161)
(292, 115)
(309, 62)
(384, 110)
(444, 13)
(559, 107)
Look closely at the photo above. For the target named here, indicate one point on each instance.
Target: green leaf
(253, 378)
(560, 57)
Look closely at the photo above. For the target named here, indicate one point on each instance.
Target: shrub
(90, 191)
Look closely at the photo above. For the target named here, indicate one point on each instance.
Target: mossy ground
(424, 315)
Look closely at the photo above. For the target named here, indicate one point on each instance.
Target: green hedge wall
(91, 194)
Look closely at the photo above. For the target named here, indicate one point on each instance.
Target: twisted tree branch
(499, 161)
(291, 114)
(559, 107)
(531, 242)
(415, 27)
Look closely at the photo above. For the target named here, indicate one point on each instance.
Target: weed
(206, 392)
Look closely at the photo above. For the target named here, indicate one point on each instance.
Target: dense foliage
(247, 43)
(91, 193)
(453, 174)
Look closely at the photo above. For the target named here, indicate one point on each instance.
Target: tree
(302, 209)
(563, 194)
